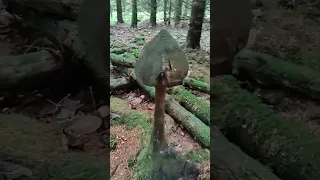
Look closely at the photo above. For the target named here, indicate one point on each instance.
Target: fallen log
(270, 71)
(119, 83)
(63, 8)
(192, 103)
(65, 33)
(28, 70)
(197, 85)
(119, 60)
(195, 126)
(230, 163)
(285, 144)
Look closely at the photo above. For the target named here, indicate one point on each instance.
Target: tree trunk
(186, 8)
(134, 20)
(153, 13)
(119, 12)
(170, 11)
(195, 26)
(28, 70)
(178, 8)
(165, 11)
(230, 32)
(287, 145)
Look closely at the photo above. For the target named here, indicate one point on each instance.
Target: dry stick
(93, 100)
(59, 103)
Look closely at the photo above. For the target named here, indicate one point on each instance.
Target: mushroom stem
(158, 136)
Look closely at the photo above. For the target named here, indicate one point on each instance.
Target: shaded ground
(290, 30)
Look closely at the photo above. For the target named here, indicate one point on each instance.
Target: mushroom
(161, 64)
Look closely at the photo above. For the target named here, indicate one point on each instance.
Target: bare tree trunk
(170, 10)
(153, 14)
(119, 12)
(165, 11)
(178, 8)
(195, 26)
(134, 20)
(186, 8)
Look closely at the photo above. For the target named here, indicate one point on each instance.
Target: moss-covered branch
(271, 71)
(284, 144)
(119, 83)
(192, 103)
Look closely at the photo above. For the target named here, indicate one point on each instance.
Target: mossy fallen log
(192, 103)
(119, 83)
(30, 70)
(65, 33)
(120, 60)
(199, 130)
(63, 8)
(270, 71)
(196, 84)
(285, 144)
(230, 163)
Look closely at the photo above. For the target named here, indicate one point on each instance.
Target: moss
(284, 143)
(34, 145)
(192, 103)
(198, 156)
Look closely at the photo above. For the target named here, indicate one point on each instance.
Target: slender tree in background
(195, 27)
(134, 18)
(153, 13)
(119, 12)
(178, 8)
(124, 2)
(185, 8)
(165, 2)
(170, 10)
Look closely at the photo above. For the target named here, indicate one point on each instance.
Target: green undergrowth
(35, 145)
(146, 164)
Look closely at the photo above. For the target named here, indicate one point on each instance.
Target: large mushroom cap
(162, 52)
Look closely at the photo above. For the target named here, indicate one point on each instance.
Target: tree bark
(165, 2)
(287, 145)
(119, 12)
(195, 26)
(28, 71)
(153, 13)
(134, 20)
(178, 10)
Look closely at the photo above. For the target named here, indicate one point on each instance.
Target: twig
(59, 103)
(31, 45)
(93, 100)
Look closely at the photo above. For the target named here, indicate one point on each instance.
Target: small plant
(113, 142)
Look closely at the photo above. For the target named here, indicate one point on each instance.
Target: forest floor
(291, 33)
(124, 36)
